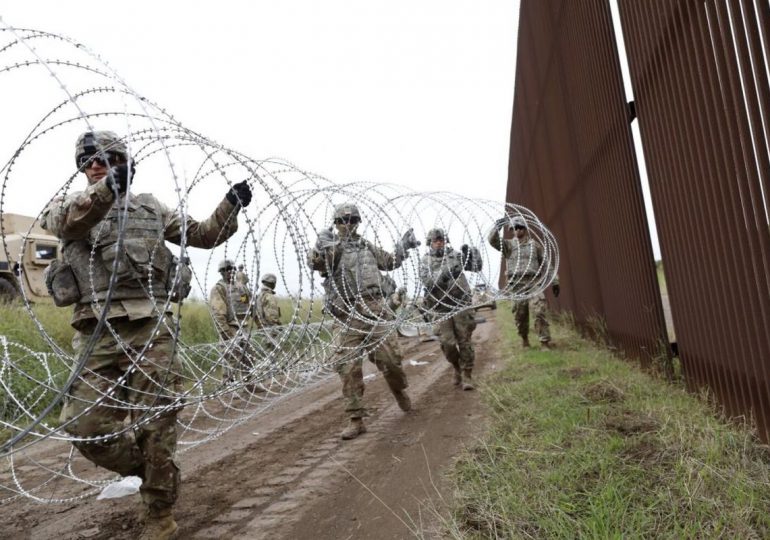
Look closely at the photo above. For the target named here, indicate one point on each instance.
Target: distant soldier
(447, 291)
(106, 229)
(524, 264)
(230, 304)
(241, 276)
(268, 310)
(355, 298)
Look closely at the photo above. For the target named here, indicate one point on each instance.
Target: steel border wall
(700, 79)
(572, 162)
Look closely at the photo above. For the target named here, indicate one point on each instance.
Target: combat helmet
(436, 233)
(226, 264)
(270, 280)
(94, 142)
(347, 209)
(519, 221)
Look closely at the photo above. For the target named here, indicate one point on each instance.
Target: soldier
(241, 276)
(268, 311)
(524, 264)
(230, 303)
(355, 299)
(131, 359)
(447, 290)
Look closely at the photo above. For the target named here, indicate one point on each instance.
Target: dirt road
(286, 473)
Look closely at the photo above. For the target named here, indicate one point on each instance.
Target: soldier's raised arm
(213, 231)
(71, 217)
(498, 242)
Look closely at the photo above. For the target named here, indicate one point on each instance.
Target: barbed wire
(224, 383)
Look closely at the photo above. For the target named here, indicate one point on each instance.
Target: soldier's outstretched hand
(409, 240)
(326, 239)
(239, 193)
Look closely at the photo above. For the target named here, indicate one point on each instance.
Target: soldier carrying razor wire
(114, 245)
(448, 294)
(352, 267)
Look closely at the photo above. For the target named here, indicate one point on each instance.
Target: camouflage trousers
(538, 307)
(455, 337)
(240, 356)
(356, 339)
(126, 385)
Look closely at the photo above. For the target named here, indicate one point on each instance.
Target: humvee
(25, 252)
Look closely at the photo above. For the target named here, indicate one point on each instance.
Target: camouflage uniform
(88, 221)
(268, 311)
(355, 299)
(230, 307)
(241, 276)
(447, 290)
(524, 263)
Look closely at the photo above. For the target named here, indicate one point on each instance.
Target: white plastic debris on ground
(414, 362)
(122, 488)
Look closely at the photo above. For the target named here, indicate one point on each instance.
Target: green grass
(583, 445)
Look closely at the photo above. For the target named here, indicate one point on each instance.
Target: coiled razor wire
(191, 173)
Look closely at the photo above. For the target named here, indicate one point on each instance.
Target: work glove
(556, 290)
(409, 240)
(502, 221)
(239, 193)
(326, 239)
(117, 177)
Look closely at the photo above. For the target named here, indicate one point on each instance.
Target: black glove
(464, 248)
(239, 193)
(409, 241)
(326, 239)
(556, 290)
(117, 177)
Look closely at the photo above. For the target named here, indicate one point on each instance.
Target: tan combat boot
(467, 380)
(354, 429)
(458, 377)
(159, 526)
(525, 343)
(404, 403)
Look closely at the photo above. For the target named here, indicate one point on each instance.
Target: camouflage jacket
(268, 311)
(353, 267)
(221, 305)
(81, 220)
(446, 286)
(522, 258)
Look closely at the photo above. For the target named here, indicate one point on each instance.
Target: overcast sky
(415, 93)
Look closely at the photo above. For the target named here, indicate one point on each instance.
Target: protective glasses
(519, 227)
(103, 158)
(347, 219)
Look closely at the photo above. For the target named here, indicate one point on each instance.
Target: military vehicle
(25, 252)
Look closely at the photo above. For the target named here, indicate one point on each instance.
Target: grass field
(584, 445)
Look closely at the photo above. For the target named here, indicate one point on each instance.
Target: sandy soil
(286, 473)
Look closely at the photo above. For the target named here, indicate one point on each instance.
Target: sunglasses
(103, 158)
(347, 219)
(519, 227)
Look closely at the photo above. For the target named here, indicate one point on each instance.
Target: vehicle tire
(8, 292)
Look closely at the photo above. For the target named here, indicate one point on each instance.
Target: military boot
(546, 345)
(458, 377)
(525, 342)
(404, 403)
(159, 526)
(354, 429)
(467, 380)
